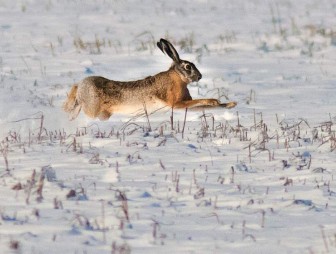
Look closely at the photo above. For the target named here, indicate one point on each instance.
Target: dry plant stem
(263, 213)
(25, 62)
(254, 120)
(40, 186)
(172, 119)
(31, 183)
(4, 151)
(250, 156)
(243, 229)
(103, 220)
(162, 165)
(177, 189)
(124, 204)
(232, 175)
(146, 113)
(41, 128)
(205, 120)
(184, 122)
(324, 239)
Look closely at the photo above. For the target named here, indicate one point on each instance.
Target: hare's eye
(187, 67)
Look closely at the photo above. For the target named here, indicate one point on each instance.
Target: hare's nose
(199, 76)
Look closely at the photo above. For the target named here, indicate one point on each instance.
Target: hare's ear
(160, 46)
(167, 48)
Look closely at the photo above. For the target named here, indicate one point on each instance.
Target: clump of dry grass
(14, 245)
(121, 196)
(120, 248)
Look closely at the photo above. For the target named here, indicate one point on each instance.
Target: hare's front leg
(230, 104)
(196, 103)
(204, 103)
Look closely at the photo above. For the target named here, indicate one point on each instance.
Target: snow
(258, 178)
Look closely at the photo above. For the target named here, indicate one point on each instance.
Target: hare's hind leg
(105, 112)
(89, 98)
(94, 111)
(104, 115)
(93, 108)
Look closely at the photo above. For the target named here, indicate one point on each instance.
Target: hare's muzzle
(199, 77)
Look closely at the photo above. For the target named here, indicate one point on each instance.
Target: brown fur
(101, 97)
(71, 105)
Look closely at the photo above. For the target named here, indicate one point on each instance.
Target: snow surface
(258, 178)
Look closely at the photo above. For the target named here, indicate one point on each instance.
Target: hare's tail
(71, 105)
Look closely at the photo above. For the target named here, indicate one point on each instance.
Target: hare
(101, 97)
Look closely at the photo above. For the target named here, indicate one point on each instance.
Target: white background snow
(259, 178)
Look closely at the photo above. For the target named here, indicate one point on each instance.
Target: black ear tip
(163, 40)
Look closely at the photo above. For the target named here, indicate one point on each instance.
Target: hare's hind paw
(230, 104)
(104, 115)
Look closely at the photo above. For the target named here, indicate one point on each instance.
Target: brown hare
(101, 97)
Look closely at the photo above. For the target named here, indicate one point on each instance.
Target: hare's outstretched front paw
(230, 104)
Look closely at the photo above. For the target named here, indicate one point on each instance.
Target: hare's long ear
(167, 48)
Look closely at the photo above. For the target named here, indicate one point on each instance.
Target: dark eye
(187, 67)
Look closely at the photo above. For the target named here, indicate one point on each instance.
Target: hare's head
(187, 70)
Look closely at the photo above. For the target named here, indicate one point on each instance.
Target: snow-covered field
(259, 178)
